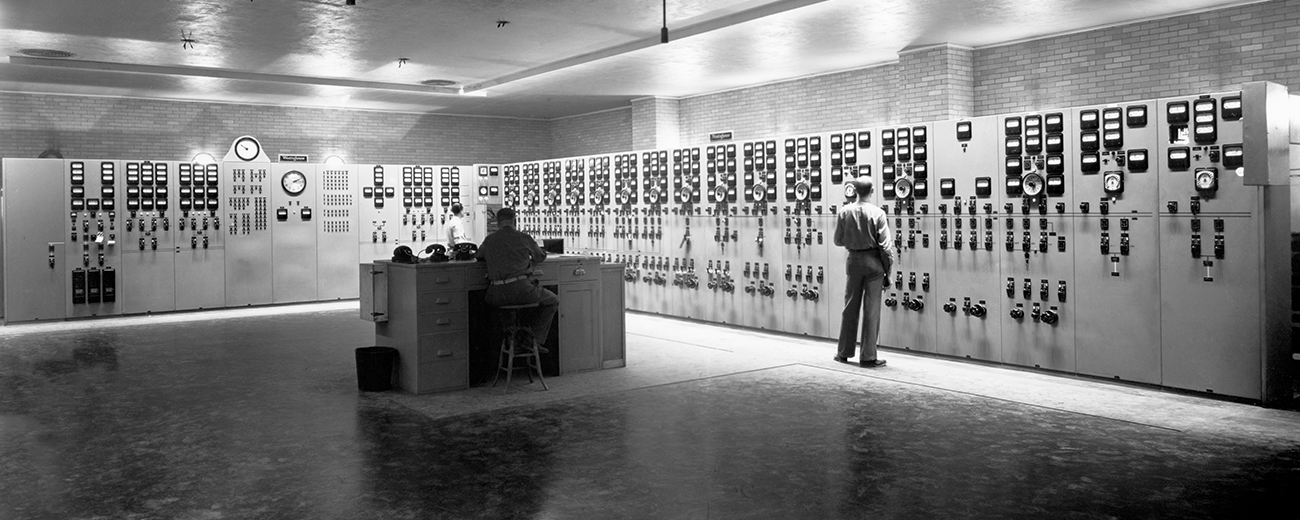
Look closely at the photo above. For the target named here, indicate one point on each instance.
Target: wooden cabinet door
(579, 326)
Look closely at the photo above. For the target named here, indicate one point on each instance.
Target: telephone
(463, 251)
(437, 253)
(403, 255)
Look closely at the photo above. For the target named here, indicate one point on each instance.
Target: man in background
(456, 226)
(863, 229)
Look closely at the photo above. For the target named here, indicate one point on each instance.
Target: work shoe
(874, 363)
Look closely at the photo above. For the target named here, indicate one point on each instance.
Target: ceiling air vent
(437, 83)
(46, 53)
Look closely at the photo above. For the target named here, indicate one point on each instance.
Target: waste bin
(375, 368)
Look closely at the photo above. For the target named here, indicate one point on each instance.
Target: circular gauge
(247, 148)
(759, 191)
(574, 196)
(902, 188)
(552, 197)
(652, 196)
(598, 195)
(1113, 183)
(850, 192)
(624, 196)
(684, 194)
(719, 193)
(1032, 184)
(293, 182)
(802, 191)
(1205, 180)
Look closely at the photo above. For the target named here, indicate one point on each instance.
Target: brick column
(656, 123)
(936, 82)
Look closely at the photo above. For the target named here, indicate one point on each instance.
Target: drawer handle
(442, 301)
(441, 280)
(443, 321)
(579, 272)
(444, 353)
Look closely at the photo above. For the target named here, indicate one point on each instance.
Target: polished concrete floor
(250, 414)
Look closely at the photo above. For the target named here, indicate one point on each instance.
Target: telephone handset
(403, 255)
(437, 253)
(463, 251)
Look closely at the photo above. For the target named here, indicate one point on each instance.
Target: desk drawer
(440, 279)
(435, 322)
(444, 375)
(579, 272)
(442, 301)
(444, 346)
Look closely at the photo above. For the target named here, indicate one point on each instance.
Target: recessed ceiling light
(437, 83)
(46, 53)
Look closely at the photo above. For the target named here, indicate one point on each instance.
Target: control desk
(448, 338)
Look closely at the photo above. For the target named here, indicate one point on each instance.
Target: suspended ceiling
(553, 58)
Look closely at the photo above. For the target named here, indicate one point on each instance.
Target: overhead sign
(720, 136)
(288, 157)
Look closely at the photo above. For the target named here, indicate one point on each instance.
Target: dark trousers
(865, 281)
(521, 292)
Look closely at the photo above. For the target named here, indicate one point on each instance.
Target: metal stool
(517, 342)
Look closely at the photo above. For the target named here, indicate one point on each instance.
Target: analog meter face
(760, 192)
(624, 196)
(902, 188)
(802, 190)
(850, 192)
(719, 194)
(1032, 184)
(684, 194)
(1114, 182)
(1206, 180)
(653, 196)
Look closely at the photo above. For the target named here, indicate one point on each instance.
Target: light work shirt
(863, 226)
(510, 253)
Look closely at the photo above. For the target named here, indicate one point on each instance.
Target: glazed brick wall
(601, 132)
(118, 128)
(936, 83)
(843, 100)
(1190, 54)
(655, 123)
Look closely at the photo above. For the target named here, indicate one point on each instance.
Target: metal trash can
(376, 367)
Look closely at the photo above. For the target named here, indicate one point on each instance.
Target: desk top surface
(551, 259)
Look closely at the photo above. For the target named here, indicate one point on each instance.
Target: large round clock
(293, 182)
(247, 148)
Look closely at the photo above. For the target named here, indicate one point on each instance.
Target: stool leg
(535, 360)
(505, 343)
(510, 361)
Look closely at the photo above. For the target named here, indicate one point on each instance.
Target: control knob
(978, 310)
(1017, 313)
(916, 304)
(890, 302)
(950, 307)
(1050, 317)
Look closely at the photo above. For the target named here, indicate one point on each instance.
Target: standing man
(510, 255)
(456, 226)
(863, 229)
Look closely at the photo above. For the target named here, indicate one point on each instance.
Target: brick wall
(936, 83)
(656, 123)
(109, 127)
(1197, 53)
(601, 132)
(831, 101)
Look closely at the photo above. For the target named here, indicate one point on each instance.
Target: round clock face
(850, 192)
(293, 182)
(247, 148)
(903, 188)
(1032, 184)
(1113, 183)
(1204, 180)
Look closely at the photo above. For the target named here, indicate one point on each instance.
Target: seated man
(510, 255)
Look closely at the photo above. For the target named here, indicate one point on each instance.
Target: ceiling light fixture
(187, 41)
(663, 31)
(502, 23)
(402, 61)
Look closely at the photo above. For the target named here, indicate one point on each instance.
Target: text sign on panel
(286, 157)
(720, 136)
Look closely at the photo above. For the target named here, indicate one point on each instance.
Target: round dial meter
(902, 188)
(247, 148)
(850, 192)
(624, 196)
(759, 191)
(1032, 184)
(293, 182)
(684, 194)
(1205, 180)
(719, 193)
(1114, 183)
(802, 191)
(652, 196)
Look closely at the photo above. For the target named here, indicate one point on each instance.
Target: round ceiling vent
(46, 53)
(437, 83)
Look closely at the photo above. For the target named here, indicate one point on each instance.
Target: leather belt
(509, 280)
